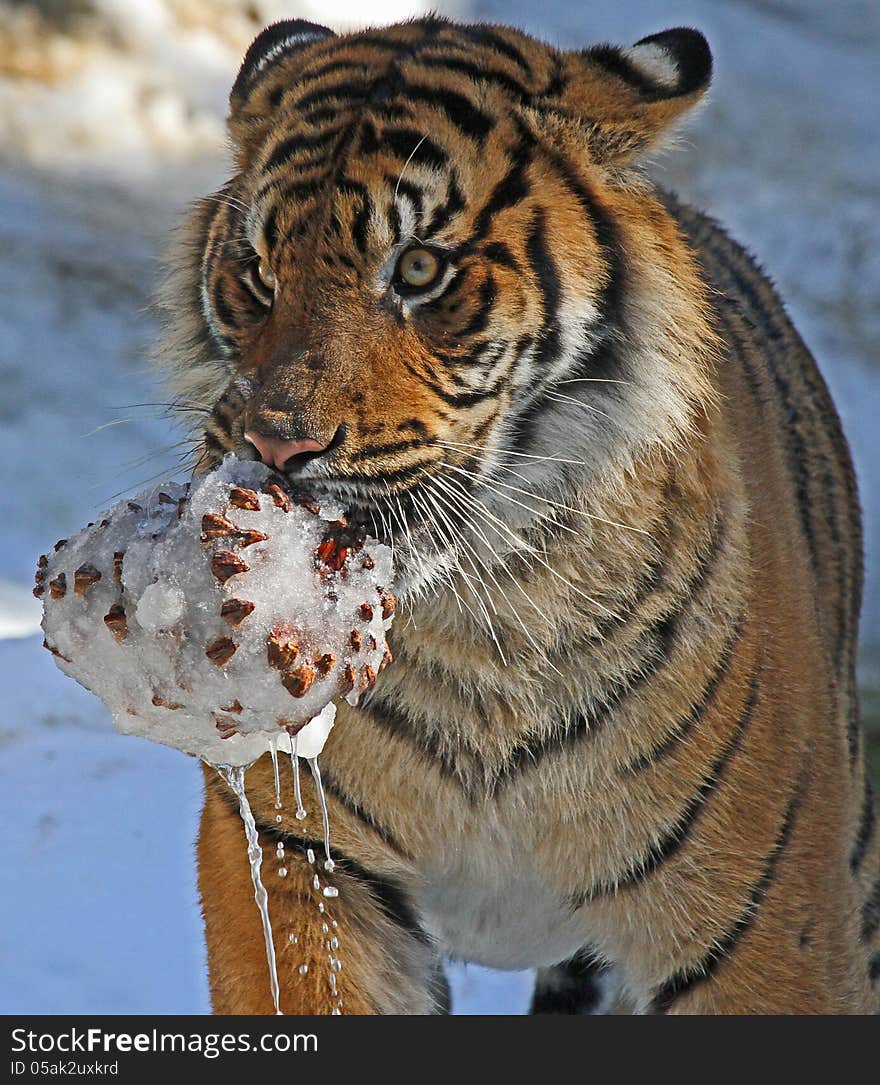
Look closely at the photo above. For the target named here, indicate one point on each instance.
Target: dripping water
(234, 777)
(319, 787)
(300, 813)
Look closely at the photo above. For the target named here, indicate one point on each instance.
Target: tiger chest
(502, 914)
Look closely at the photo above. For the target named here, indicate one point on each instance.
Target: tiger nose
(276, 452)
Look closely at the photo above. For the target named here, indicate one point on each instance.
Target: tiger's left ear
(629, 98)
(270, 62)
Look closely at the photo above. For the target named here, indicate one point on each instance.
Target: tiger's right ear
(629, 99)
(274, 46)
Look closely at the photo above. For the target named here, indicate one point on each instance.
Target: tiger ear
(279, 41)
(631, 97)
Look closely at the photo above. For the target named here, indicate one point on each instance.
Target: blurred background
(111, 120)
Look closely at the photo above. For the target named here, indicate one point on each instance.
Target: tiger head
(438, 282)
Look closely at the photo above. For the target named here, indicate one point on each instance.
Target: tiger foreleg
(360, 952)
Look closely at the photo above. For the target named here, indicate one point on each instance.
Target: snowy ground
(100, 145)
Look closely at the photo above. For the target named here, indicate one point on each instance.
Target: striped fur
(622, 724)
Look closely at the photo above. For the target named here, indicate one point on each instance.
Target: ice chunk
(221, 616)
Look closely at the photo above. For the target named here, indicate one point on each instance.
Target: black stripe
(557, 82)
(812, 414)
(683, 727)
(396, 721)
(661, 638)
(546, 276)
(402, 474)
(484, 35)
(460, 111)
(329, 112)
(689, 979)
(213, 442)
(368, 142)
(374, 451)
(354, 89)
(294, 145)
(607, 236)
(306, 189)
(270, 228)
(871, 913)
(407, 188)
(510, 190)
(415, 148)
(459, 400)
(360, 222)
(392, 112)
(653, 577)
(395, 223)
(221, 307)
(479, 74)
(499, 253)
(673, 839)
(332, 787)
(613, 60)
(866, 830)
(452, 205)
(349, 66)
(468, 766)
(387, 894)
(485, 300)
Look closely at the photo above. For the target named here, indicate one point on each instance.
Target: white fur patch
(654, 62)
(304, 37)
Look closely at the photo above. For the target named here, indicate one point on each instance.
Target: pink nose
(276, 452)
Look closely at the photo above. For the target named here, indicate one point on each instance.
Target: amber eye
(266, 275)
(417, 269)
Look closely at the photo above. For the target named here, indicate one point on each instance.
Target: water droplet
(329, 865)
(334, 943)
(292, 938)
(277, 805)
(321, 907)
(333, 923)
(336, 964)
(336, 1012)
(315, 882)
(300, 815)
(310, 855)
(282, 872)
(325, 928)
(278, 819)
(303, 968)
(329, 890)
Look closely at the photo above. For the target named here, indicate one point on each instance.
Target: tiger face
(437, 287)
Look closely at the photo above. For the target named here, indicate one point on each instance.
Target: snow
(97, 156)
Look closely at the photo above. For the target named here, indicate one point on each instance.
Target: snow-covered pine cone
(218, 616)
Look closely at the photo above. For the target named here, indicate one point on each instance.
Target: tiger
(619, 742)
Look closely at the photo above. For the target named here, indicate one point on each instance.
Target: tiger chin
(620, 740)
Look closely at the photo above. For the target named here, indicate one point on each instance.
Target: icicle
(300, 813)
(234, 777)
(319, 787)
(273, 750)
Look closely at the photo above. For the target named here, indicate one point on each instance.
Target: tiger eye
(418, 268)
(266, 275)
